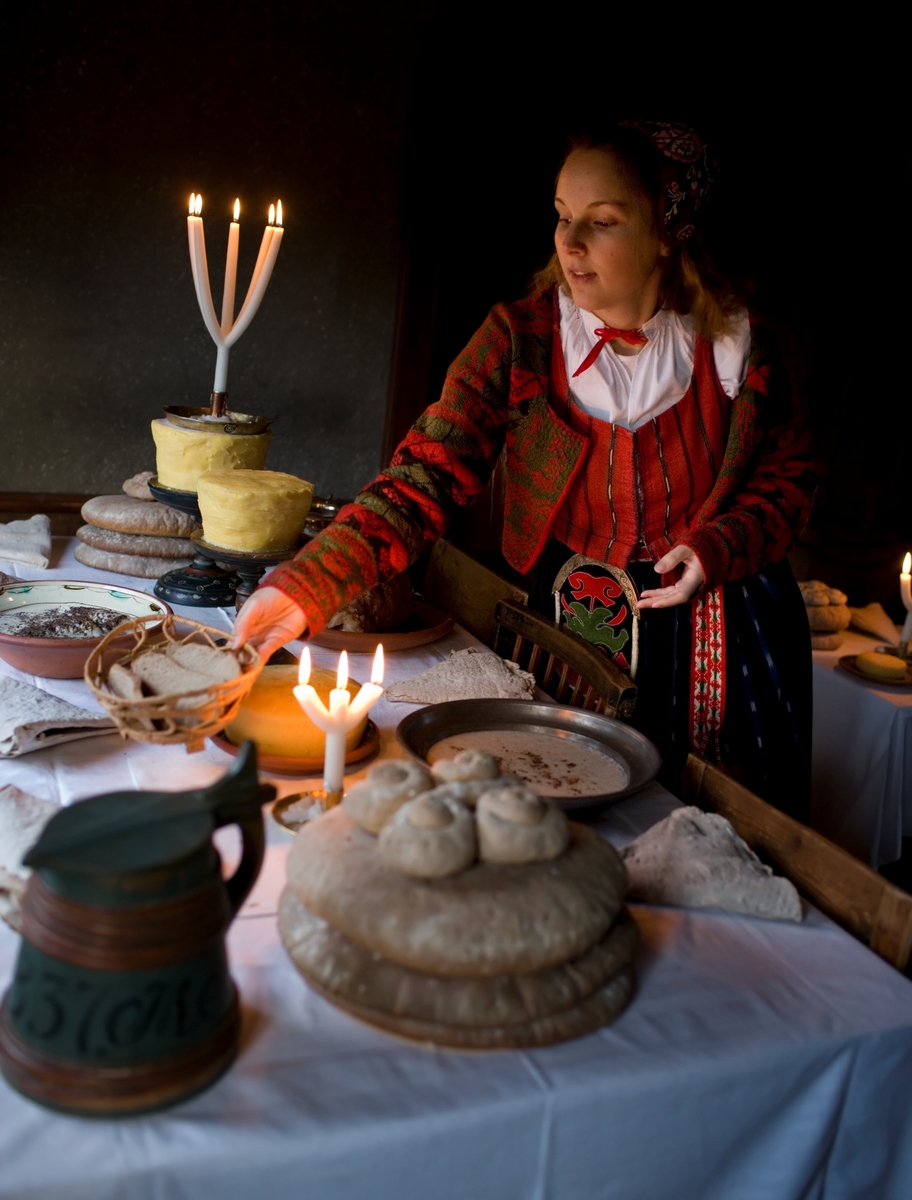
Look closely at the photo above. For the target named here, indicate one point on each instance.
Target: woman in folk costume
(653, 451)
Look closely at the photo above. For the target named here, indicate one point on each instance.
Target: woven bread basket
(186, 719)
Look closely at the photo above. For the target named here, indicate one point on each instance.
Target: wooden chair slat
(876, 911)
(596, 678)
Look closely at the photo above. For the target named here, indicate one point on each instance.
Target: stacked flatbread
(694, 859)
(22, 818)
(471, 674)
(828, 613)
(32, 719)
(133, 534)
(495, 954)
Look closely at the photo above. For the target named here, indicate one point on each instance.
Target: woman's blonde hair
(692, 285)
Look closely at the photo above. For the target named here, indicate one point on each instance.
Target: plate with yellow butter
(882, 669)
(287, 741)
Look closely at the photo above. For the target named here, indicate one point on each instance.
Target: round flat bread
(355, 974)
(826, 641)
(126, 514)
(599, 1009)
(829, 618)
(140, 565)
(137, 485)
(136, 543)
(492, 919)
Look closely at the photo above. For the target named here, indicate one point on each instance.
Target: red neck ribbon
(633, 337)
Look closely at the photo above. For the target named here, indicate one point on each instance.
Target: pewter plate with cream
(582, 760)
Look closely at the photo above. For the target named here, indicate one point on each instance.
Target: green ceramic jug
(121, 1001)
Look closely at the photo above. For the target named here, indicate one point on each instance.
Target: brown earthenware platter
(65, 658)
(847, 662)
(427, 624)
(582, 760)
(280, 764)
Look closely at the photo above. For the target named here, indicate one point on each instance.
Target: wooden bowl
(187, 719)
(65, 658)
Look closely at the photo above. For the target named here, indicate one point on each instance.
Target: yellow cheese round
(257, 511)
(272, 718)
(881, 666)
(181, 455)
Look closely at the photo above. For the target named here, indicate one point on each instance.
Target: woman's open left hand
(268, 620)
(692, 579)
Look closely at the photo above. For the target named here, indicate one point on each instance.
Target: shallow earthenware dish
(280, 764)
(426, 624)
(847, 662)
(65, 658)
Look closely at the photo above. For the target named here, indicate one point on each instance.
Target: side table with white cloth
(756, 1059)
(861, 782)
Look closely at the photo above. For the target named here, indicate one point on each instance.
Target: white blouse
(629, 390)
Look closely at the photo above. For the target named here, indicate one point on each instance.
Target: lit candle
(262, 273)
(343, 715)
(231, 261)
(905, 590)
(227, 331)
(200, 267)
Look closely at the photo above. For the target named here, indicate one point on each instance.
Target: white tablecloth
(861, 794)
(757, 1059)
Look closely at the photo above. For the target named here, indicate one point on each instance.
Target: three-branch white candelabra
(343, 714)
(227, 331)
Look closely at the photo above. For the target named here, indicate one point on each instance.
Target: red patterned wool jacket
(497, 397)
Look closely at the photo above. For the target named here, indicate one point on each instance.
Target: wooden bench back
(876, 911)
(565, 667)
(461, 585)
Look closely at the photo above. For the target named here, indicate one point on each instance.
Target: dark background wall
(112, 115)
(414, 148)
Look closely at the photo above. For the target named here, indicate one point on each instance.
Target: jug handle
(253, 843)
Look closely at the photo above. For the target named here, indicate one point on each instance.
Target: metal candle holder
(202, 584)
(250, 566)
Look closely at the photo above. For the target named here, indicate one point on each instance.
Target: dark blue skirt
(765, 740)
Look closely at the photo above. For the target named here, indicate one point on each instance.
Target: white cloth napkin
(31, 719)
(22, 818)
(27, 542)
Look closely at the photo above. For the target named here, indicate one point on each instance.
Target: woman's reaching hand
(268, 620)
(692, 579)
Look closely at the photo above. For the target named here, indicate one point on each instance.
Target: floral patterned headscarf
(688, 172)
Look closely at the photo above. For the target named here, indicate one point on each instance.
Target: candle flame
(342, 673)
(192, 203)
(907, 563)
(377, 671)
(199, 204)
(304, 667)
(278, 212)
(237, 210)
(271, 220)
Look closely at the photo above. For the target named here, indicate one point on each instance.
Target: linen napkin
(466, 675)
(694, 859)
(22, 818)
(874, 620)
(27, 542)
(31, 719)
